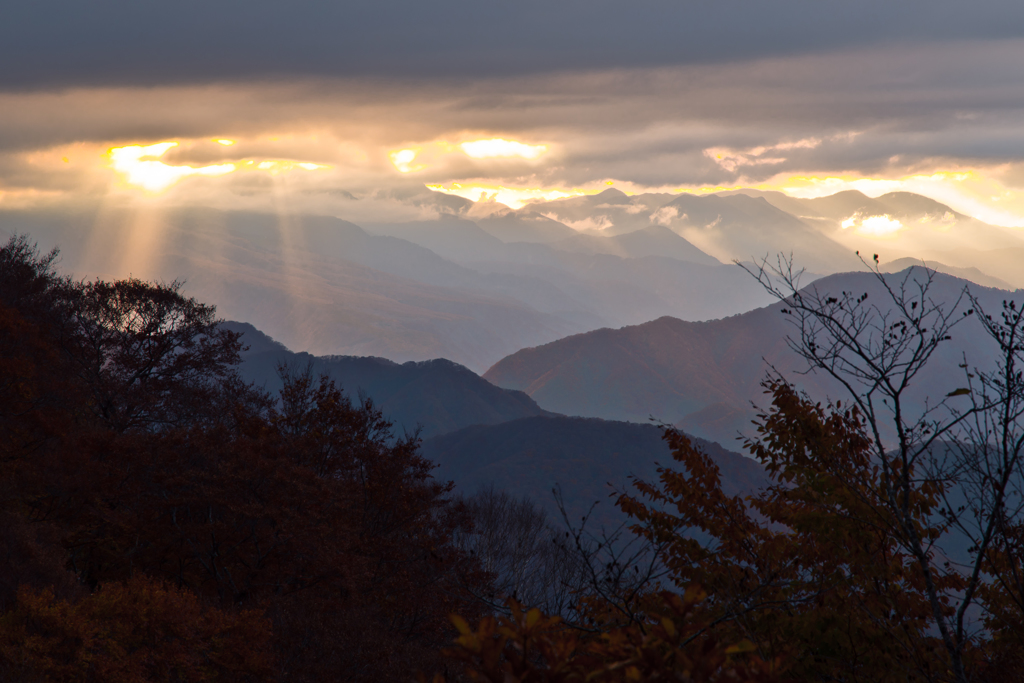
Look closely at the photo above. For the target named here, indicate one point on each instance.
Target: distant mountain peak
(612, 194)
(850, 194)
(253, 340)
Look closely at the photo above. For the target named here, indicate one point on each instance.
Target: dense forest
(163, 520)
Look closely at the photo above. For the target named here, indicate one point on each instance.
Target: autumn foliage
(128, 633)
(804, 580)
(671, 645)
(887, 545)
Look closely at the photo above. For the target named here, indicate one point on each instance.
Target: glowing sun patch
(403, 158)
(875, 226)
(497, 147)
(141, 166)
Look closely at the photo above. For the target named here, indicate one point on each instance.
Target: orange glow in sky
(141, 166)
(977, 193)
(512, 197)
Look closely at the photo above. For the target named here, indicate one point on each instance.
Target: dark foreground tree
(528, 647)
(131, 452)
(962, 451)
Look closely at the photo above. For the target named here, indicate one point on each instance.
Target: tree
(137, 632)
(526, 558)
(846, 566)
(528, 647)
(151, 357)
(946, 468)
(808, 569)
(127, 437)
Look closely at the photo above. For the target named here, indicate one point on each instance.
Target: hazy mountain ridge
(971, 274)
(436, 395)
(480, 434)
(327, 286)
(704, 376)
(652, 240)
(612, 289)
(928, 230)
(610, 212)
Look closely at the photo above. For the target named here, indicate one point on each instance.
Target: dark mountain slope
(438, 395)
(666, 368)
(587, 458)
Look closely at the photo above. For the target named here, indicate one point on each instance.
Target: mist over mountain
(316, 283)
(726, 227)
(822, 234)
(908, 225)
(480, 281)
(610, 212)
(445, 288)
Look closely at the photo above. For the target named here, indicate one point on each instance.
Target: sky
(368, 110)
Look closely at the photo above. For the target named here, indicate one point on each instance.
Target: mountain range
(705, 377)
(589, 314)
(429, 397)
(481, 281)
(481, 435)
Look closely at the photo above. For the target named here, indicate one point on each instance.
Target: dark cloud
(56, 43)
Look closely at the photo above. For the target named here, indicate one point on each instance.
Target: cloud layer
(935, 105)
(142, 42)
